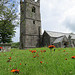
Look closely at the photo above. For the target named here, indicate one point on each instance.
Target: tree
(8, 22)
(7, 31)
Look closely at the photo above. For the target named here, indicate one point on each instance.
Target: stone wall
(45, 39)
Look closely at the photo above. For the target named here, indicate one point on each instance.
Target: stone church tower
(30, 24)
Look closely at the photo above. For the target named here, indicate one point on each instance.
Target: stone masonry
(30, 24)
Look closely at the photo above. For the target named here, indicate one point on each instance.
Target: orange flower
(15, 70)
(73, 57)
(34, 56)
(20, 63)
(9, 58)
(51, 46)
(40, 61)
(44, 50)
(33, 51)
(1, 47)
(37, 55)
(41, 51)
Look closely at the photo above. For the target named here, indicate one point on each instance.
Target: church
(58, 39)
(30, 29)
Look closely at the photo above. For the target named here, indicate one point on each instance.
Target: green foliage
(54, 62)
(8, 22)
(7, 31)
(15, 45)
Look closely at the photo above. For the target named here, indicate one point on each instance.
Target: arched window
(22, 0)
(33, 9)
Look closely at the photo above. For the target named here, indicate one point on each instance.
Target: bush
(15, 45)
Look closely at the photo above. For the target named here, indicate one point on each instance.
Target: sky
(56, 15)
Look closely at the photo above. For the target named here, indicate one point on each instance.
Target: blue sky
(56, 15)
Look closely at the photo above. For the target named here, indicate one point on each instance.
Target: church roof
(60, 39)
(58, 34)
(72, 36)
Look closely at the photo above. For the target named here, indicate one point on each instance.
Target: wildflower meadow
(38, 61)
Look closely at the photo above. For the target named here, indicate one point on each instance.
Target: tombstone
(5, 47)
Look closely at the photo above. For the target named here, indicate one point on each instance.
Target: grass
(58, 62)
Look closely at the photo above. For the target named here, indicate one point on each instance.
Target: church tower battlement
(30, 24)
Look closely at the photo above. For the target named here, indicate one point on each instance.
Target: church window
(33, 22)
(33, 9)
(35, 0)
(22, 0)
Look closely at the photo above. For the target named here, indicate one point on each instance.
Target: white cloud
(54, 14)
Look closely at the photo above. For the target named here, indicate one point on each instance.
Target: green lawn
(58, 62)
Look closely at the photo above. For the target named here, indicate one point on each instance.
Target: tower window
(33, 9)
(35, 0)
(33, 22)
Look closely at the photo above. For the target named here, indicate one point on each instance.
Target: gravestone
(5, 47)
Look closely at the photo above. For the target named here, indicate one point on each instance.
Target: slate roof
(58, 34)
(60, 39)
(72, 36)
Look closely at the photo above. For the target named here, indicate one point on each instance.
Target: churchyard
(38, 61)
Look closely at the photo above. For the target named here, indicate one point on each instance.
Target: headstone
(5, 47)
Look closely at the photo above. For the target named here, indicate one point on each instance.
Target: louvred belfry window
(33, 22)
(33, 9)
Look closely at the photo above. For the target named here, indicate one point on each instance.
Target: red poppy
(40, 61)
(73, 57)
(37, 55)
(9, 58)
(1, 47)
(33, 51)
(51, 46)
(41, 51)
(44, 50)
(20, 63)
(34, 56)
(15, 71)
